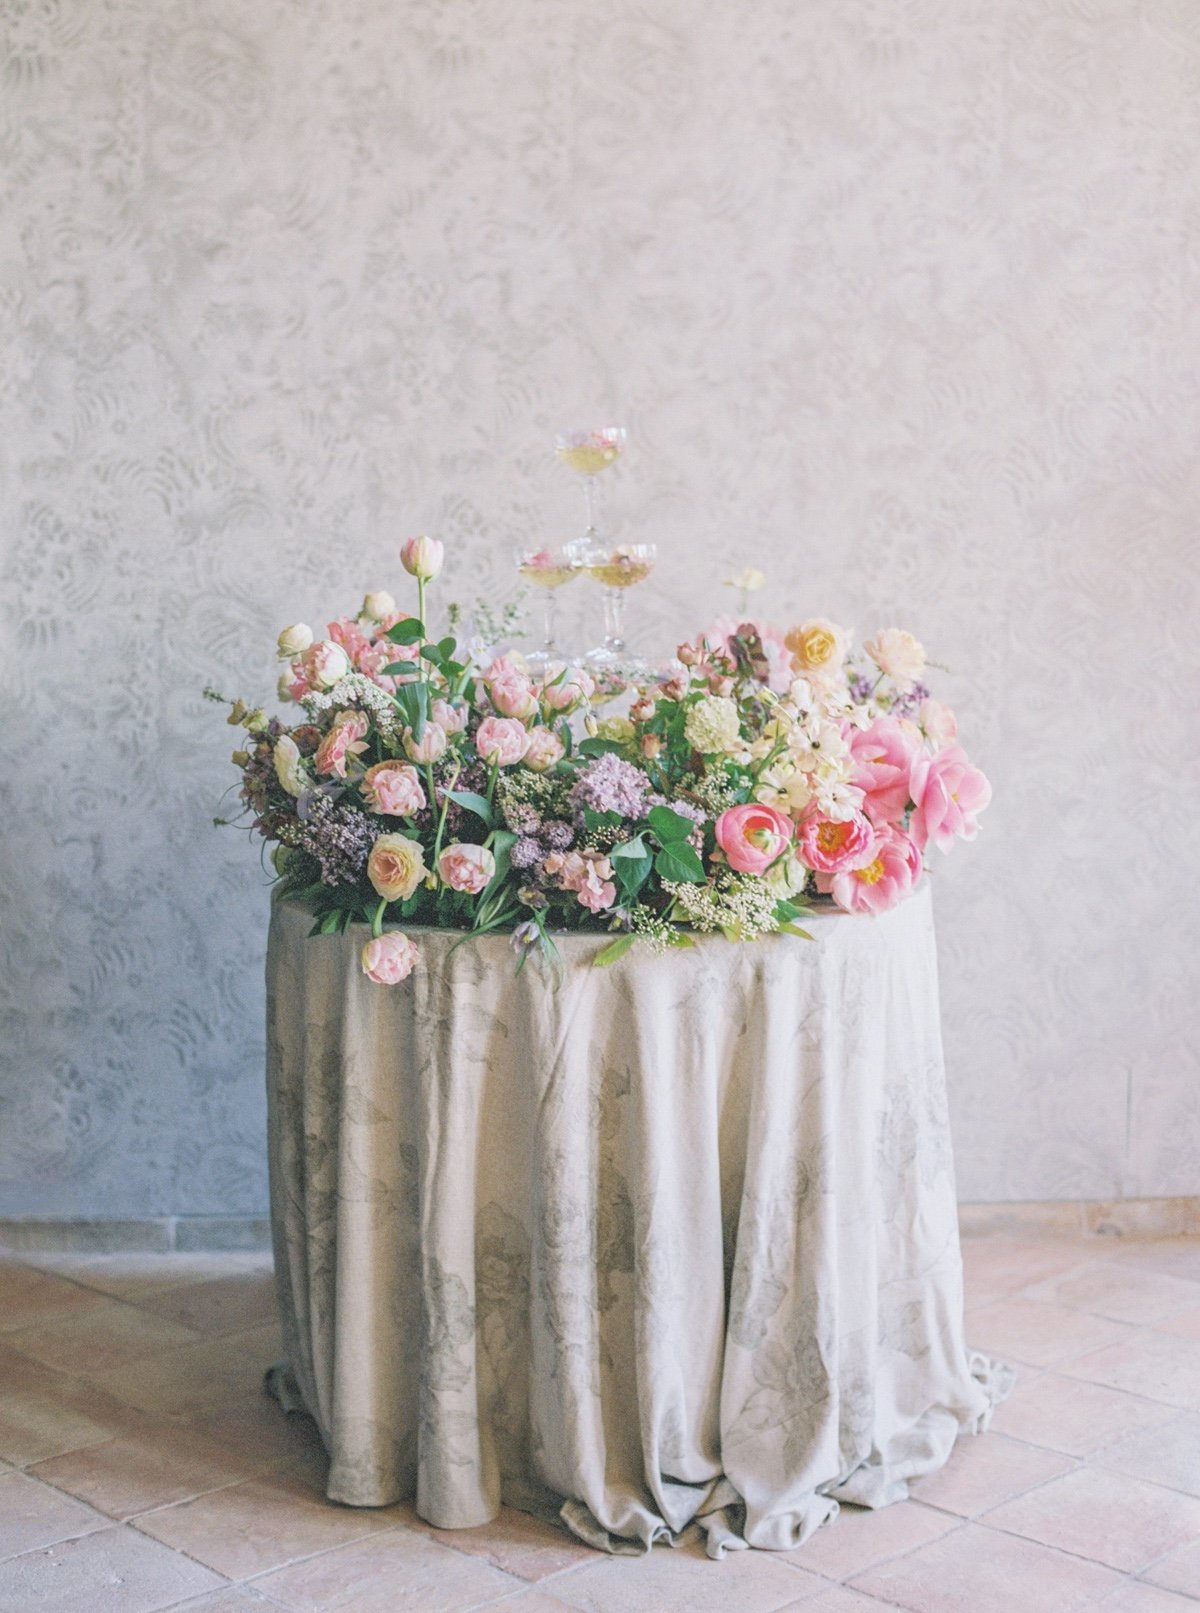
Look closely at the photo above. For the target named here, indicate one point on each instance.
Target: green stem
(421, 666)
(493, 775)
(377, 921)
(441, 828)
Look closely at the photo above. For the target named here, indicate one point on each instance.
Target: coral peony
(753, 836)
(394, 789)
(830, 845)
(879, 884)
(883, 755)
(388, 959)
(947, 794)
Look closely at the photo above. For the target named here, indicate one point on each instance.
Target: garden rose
(293, 641)
(395, 867)
(393, 788)
(830, 845)
(466, 868)
(430, 747)
(818, 648)
(325, 664)
(712, 725)
(545, 748)
(346, 738)
(948, 794)
(389, 958)
(451, 719)
(883, 756)
(501, 741)
(876, 885)
(939, 724)
(752, 836)
(422, 558)
(897, 654)
(377, 607)
(289, 769)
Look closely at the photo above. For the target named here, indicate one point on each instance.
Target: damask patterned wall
(898, 299)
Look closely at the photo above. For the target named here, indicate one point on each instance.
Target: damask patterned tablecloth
(674, 1239)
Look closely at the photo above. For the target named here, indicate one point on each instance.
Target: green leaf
(598, 747)
(398, 669)
(680, 938)
(614, 950)
(670, 826)
(679, 863)
(407, 631)
(786, 911)
(630, 848)
(478, 804)
(446, 647)
(600, 820)
(501, 842)
(793, 929)
(413, 701)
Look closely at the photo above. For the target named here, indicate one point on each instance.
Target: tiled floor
(142, 1468)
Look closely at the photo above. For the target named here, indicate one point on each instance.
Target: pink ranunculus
(939, 723)
(883, 757)
(830, 845)
(350, 636)
(466, 868)
(879, 884)
(422, 558)
(572, 690)
(947, 794)
(501, 741)
(511, 693)
(545, 748)
(451, 719)
(393, 788)
(431, 746)
(324, 664)
(344, 739)
(752, 836)
(389, 958)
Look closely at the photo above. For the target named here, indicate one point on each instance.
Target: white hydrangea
(712, 726)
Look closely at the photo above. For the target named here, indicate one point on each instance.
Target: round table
(673, 1239)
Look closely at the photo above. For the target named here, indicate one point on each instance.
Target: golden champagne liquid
(546, 576)
(589, 458)
(621, 573)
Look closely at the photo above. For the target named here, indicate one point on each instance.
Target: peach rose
(395, 867)
(501, 741)
(388, 959)
(394, 789)
(466, 868)
(753, 836)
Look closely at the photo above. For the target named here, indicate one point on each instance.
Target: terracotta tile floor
(142, 1468)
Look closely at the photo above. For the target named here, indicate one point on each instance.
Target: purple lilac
(524, 818)
(610, 785)
(526, 852)
(339, 838)
(557, 835)
(907, 705)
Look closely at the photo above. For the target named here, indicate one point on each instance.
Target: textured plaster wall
(898, 299)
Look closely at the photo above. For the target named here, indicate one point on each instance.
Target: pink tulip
(830, 845)
(466, 868)
(947, 793)
(346, 738)
(422, 558)
(545, 748)
(888, 878)
(429, 748)
(753, 836)
(388, 959)
(883, 757)
(394, 789)
(511, 693)
(451, 719)
(501, 741)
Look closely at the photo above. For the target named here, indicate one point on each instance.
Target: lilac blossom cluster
(610, 785)
(532, 849)
(339, 838)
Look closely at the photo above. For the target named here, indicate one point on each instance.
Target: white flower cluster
(742, 908)
(712, 726)
(814, 762)
(357, 690)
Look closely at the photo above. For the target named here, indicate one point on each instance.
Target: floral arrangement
(424, 785)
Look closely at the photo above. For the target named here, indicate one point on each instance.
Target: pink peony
(372, 659)
(466, 868)
(879, 884)
(429, 748)
(545, 748)
(389, 958)
(346, 738)
(883, 757)
(393, 788)
(947, 793)
(830, 845)
(753, 836)
(350, 636)
(501, 741)
(939, 723)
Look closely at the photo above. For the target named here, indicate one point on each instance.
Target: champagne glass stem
(549, 605)
(589, 499)
(614, 620)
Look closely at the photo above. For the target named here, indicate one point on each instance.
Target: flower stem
(377, 921)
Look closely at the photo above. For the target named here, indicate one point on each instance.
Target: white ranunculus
(289, 767)
(379, 606)
(294, 640)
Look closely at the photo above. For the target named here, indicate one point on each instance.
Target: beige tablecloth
(674, 1240)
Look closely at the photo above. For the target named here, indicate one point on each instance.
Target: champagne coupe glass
(617, 570)
(588, 453)
(549, 570)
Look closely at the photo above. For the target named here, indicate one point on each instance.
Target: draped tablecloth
(674, 1239)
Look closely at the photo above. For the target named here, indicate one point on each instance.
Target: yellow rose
(396, 867)
(817, 646)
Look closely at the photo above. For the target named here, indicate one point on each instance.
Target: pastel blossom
(396, 866)
(377, 607)
(897, 654)
(294, 640)
(422, 558)
(389, 958)
(393, 788)
(712, 725)
(883, 755)
(545, 749)
(429, 748)
(879, 884)
(289, 768)
(450, 718)
(588, 873)
(753, 836)
(466, 868)
(501, 741)
(564, 691)
(818, 648)
(324, 664)
(939, 723)
(831, 845)
(948, 794)
(511, 692)
(346, 738)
